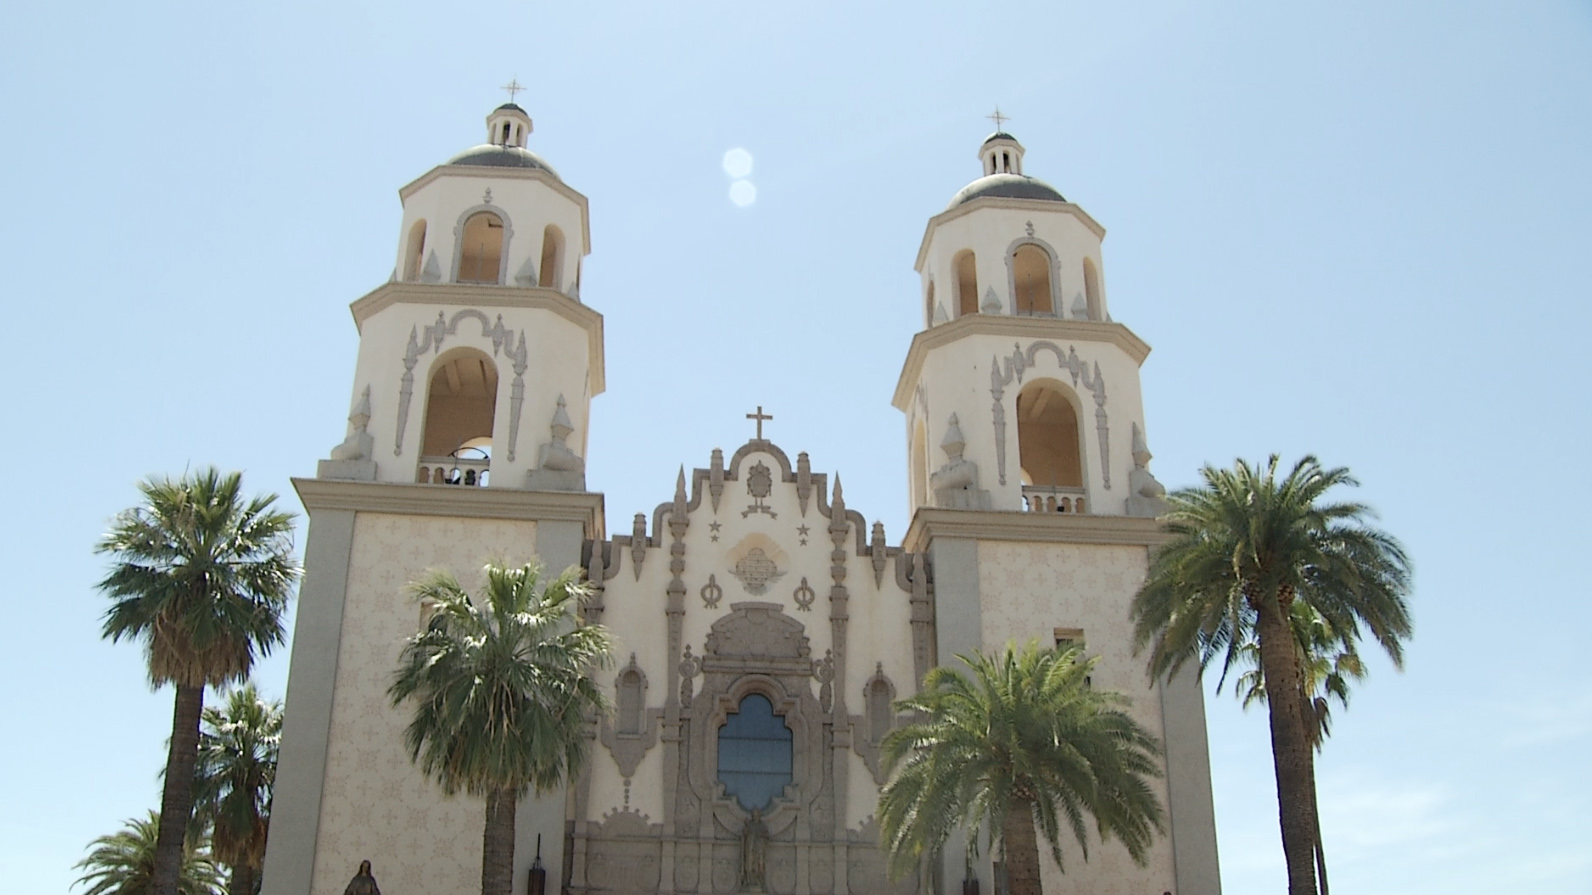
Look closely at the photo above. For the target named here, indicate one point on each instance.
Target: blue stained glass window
(755, 753)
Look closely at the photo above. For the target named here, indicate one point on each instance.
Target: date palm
(501, 690)
(123, 863)
(202, 576)
(1244, 547)
(1328, 661)
(1024, 743)
(238, 748)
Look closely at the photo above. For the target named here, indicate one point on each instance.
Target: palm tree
(123, 863)
(1327, 662)
(502, 692)
(1021, 744)
(1244, 547)
(202, 577)
(238, 750)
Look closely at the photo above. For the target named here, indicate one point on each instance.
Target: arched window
(755, 753)
(629, 703)
(1048, 447)
(415, 251)
(920, 465)
(1031, 278)
(880, 716)
(966, 282)
(461, 400)
(481, 255)
(552, 254)
(1091, 289)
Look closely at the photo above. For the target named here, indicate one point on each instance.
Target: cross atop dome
(514, 86)
(999, 119)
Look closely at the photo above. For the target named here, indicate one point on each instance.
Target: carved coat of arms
(759, 484)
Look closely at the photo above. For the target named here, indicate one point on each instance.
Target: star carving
(714, 527)
(803, 531)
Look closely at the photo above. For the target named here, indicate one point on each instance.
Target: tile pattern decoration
(370, 783)
(1028, 591)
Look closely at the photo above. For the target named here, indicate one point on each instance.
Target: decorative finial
(760, 416)
(514, 86)
(999, 119)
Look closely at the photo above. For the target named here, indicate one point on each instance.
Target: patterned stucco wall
(371, 788)
(1027, 591)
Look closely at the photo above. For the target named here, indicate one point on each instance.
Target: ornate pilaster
(839, 615)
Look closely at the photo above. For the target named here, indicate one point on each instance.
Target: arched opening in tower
(966, 282)
(481, 255)
(1048, 447)
(1031, 271)
(552, 255)
(415, 251)
(461, 401)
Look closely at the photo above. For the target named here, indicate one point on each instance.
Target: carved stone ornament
(756, 571)
(759, 484)
(432, 272)
(1145, 494)
(629, 748)
(711, 593)
(503, 343)
(804, 596)
(955, 484)
(1003, 371)
(992, 303)
(355, 457)
(558, 467)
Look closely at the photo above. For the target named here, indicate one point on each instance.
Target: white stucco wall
(955, 378)
(990, 232)
(376, 804)
(526, 205)
(558, 355)
(1027, 591)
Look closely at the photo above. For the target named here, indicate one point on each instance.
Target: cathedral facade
(763, 628)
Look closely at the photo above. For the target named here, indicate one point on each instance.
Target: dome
(1006, 186)
(491, 155)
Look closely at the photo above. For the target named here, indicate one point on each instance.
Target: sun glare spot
(743, 193)
(738, 163)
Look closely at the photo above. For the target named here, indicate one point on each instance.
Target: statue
(754, 853)
(363, 882)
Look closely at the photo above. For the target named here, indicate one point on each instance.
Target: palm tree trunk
(242, 882)
(1315, 823)
(497, 843)
(1020, 849)
(1289, 746)
(176, 800)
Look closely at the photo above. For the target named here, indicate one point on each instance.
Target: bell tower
(466, 442)
(1029, 481)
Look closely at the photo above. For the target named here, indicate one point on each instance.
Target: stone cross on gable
(760, 416)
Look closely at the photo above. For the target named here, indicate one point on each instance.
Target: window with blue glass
(754, 753)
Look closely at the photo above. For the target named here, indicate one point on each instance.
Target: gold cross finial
(999, 119)
(514, 86)
(759, 416)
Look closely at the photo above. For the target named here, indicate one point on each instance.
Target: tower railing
(466, 471)
(1053, 499)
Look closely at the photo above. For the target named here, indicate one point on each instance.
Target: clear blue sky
(1354, 229)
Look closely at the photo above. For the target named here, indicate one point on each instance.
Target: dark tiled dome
(489, 155)
(1006, 186)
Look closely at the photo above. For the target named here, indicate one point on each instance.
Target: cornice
(929, 523)
(1053, 328)
(1034, 205)
(585, 507)
(473, 296)
(484, 172)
